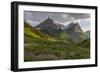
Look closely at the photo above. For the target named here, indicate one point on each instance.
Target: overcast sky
(35, 17)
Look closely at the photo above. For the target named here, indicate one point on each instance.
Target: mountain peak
(75, 31)
(49, 18)
(74, 27)
(78, 27)
(48, 24)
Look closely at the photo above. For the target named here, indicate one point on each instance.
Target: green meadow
(39, 46)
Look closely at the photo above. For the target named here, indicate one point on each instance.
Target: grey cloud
(57, 16)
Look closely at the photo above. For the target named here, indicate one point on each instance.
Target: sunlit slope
(31, 34)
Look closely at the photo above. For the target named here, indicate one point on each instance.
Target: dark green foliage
(85, 43)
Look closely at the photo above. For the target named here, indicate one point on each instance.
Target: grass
(54, 51)
(42, 47)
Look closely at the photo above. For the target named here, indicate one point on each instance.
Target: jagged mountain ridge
(49, 24)
(74, 27)
(73, 30)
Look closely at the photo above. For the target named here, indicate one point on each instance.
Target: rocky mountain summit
(73, 30)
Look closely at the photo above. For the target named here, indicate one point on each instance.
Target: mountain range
(53, 41)
(73, 31)
(49, 24)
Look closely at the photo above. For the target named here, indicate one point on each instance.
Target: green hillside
(32, 33)
(85, 43)
(59, 35)
(39, 46)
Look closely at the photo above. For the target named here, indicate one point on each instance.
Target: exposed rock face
(48, 24)
(73, 29)
(75, 32)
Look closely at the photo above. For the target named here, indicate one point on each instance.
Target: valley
(48, 41)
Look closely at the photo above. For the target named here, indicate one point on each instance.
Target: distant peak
(74, 27)
(49, 19)
(49, 23)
